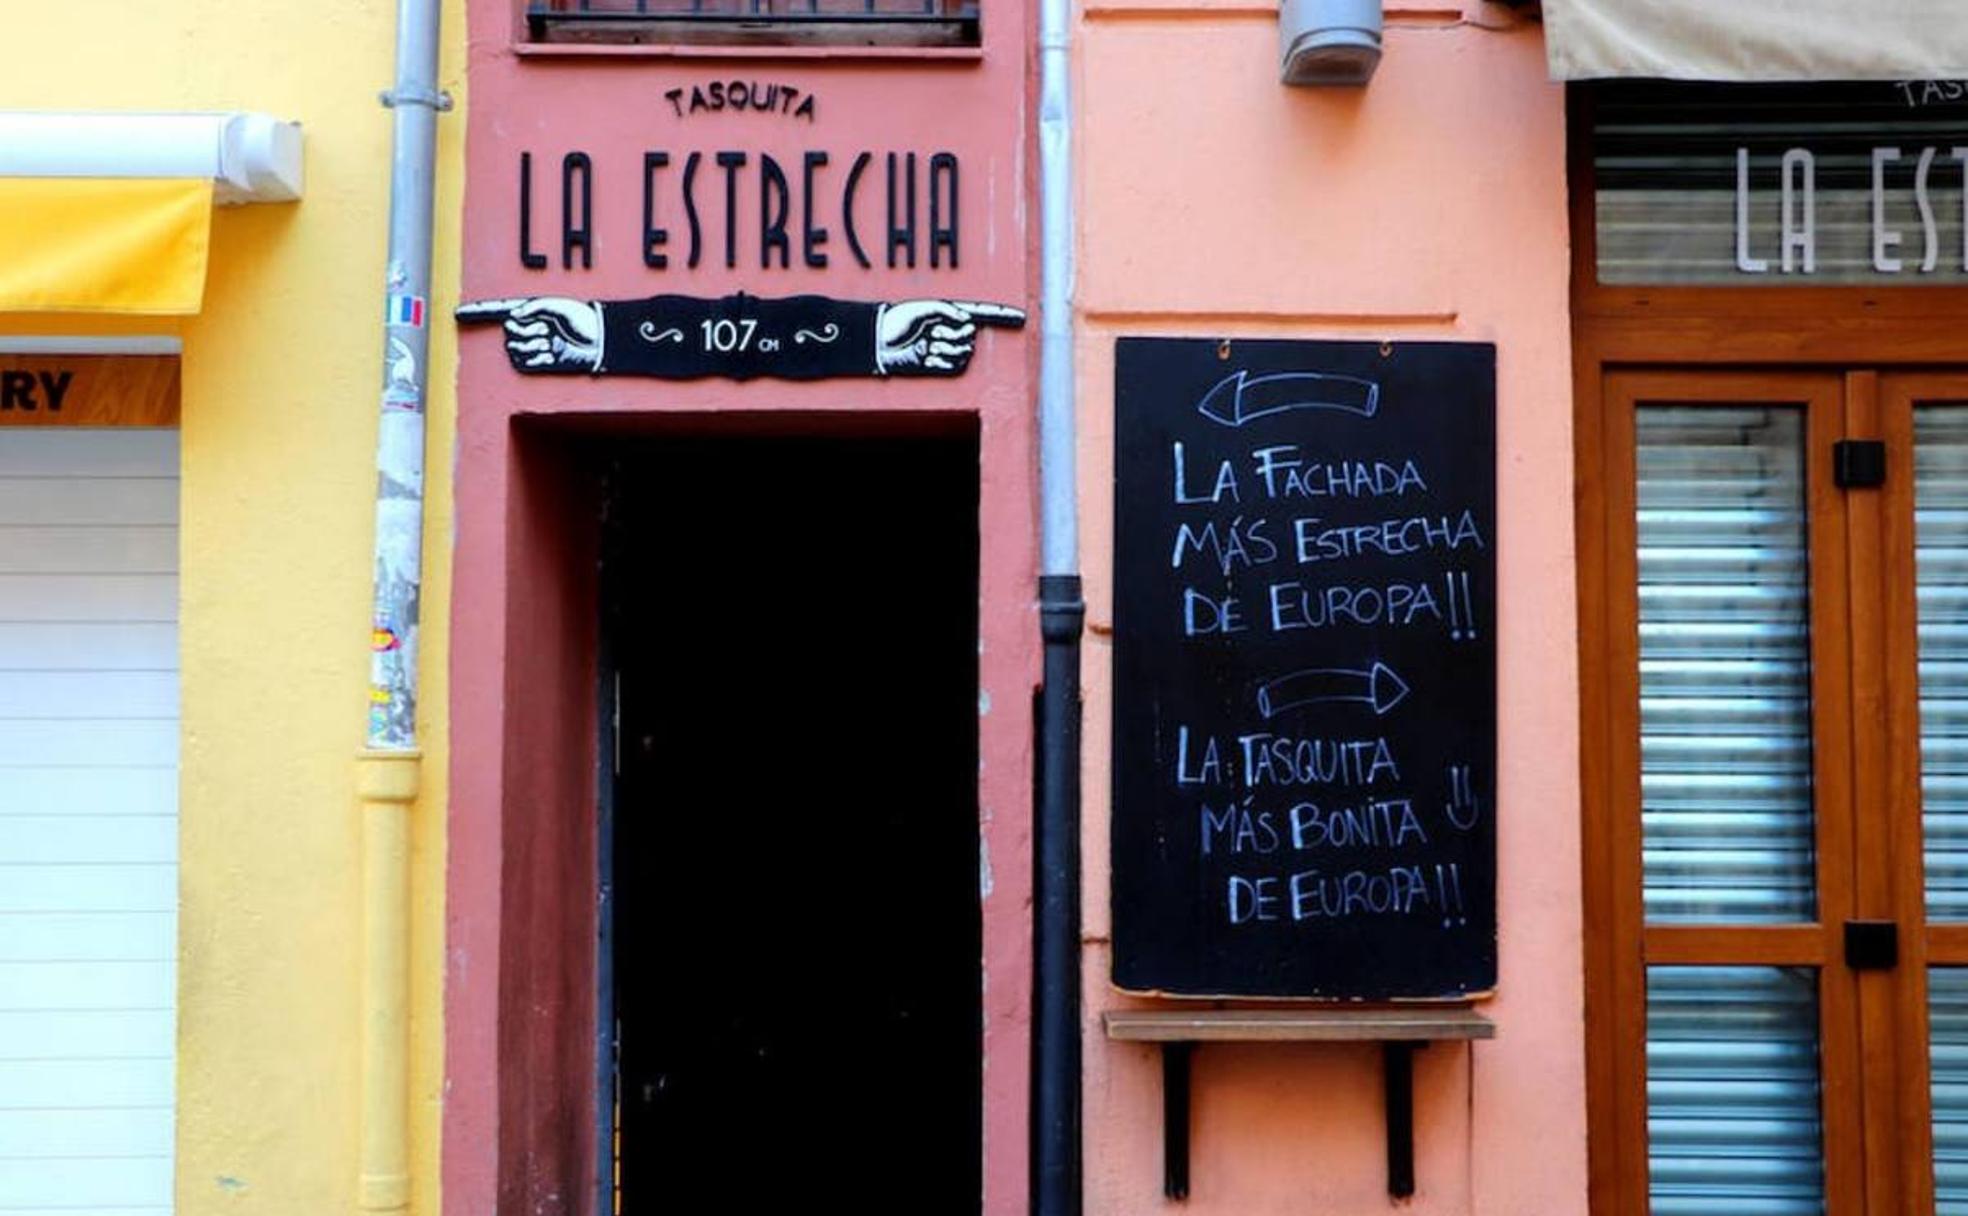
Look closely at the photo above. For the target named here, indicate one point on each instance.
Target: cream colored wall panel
(146, 1210)
(82, 1185)
(87, 500)
(95, 888)
(116, 1034)
(85, 1084)
(88, 597)
(87, 839)
(87, 744)
(32, 1135)
(86, 452)
(57, 695)
(88, 549)
(64, 986)
(91, 645)
(145, 790)
(27, 937)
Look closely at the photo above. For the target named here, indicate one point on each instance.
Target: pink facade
(519, 1125)
(1213, 202)
(1217, 203)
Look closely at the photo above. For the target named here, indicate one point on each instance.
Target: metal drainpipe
(388, 769)
(1056, 832)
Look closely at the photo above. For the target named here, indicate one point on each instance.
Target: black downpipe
(1056, 910)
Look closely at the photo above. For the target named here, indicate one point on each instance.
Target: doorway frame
(1692, 328)
(955, 431)
(520, 1027)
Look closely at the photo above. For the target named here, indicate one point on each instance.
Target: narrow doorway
(794, 950)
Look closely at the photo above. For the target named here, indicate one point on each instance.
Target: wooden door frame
(1630, 945)
(1764, 328)
(1945, 944)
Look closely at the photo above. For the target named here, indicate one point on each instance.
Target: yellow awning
(129, 245)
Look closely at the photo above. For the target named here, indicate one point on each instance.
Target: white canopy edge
(250, 158)
(67, 344)
(1757, 40)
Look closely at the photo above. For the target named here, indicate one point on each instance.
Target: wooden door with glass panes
(1923, 420)
(1777, 834)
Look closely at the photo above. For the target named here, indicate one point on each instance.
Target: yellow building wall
(282, 372)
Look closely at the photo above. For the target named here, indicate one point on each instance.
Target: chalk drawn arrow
(1240, 397)
(1378, 686)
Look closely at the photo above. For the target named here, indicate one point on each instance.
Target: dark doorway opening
(794, 949)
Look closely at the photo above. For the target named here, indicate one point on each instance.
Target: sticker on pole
(406, 310)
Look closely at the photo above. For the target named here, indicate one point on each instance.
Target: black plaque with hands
(740, 336)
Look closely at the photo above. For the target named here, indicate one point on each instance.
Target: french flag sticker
(407, 310)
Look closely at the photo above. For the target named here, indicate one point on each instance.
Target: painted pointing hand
(544, 333)
(934, 337)
(909, 338)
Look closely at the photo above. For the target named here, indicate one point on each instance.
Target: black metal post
(1056, 907)
(1175, 1118)
(1397, 1060)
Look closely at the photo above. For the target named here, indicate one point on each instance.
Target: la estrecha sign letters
(807, 203)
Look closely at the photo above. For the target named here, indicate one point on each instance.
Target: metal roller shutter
(88, 819)
(1727, 823)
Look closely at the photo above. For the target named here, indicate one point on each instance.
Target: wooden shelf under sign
(1398, 1031)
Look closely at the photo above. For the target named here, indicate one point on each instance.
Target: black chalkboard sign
(1305, 669)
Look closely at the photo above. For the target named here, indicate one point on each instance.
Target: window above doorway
(1779, 186)
(755, 23)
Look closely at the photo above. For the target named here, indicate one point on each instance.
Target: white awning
(248, 158)
(1752, 40)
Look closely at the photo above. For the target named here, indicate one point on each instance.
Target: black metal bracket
(1858, 464)
(1398, 1032)
(1397, 1075)
(1397, 1072)
(1872, 945)
(1175, 1118)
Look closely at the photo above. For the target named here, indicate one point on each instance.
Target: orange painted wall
(1215, 202)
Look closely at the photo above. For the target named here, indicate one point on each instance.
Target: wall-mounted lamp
(1328, 41)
